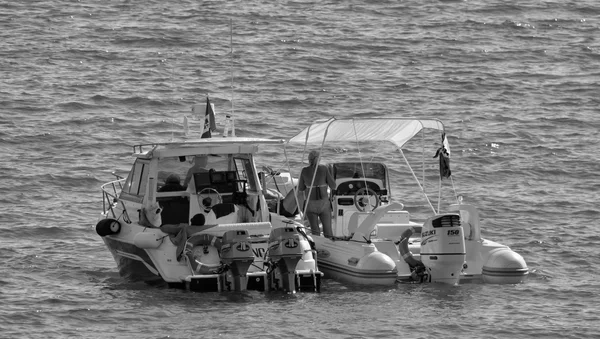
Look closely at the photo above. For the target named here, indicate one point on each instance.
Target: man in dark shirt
(172, 184)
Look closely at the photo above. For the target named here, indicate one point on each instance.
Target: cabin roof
(203, 146)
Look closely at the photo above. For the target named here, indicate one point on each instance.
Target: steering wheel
(366, 200)
(203, 194)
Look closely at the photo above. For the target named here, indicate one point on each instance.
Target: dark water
(516, 84)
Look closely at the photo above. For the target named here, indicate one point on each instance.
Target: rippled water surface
(515, 82)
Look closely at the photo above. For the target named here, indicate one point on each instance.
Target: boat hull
(148, 255)
(134, 264)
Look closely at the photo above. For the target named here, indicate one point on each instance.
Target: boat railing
(141, 147)
(110, 197)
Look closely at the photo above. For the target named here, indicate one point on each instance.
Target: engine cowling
(236, 251)
(443, 248)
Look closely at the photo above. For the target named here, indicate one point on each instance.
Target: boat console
(360, 188)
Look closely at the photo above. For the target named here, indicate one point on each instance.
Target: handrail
(110, 193)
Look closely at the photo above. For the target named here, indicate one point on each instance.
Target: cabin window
(172, 165)
(245, 171)
(137, 178)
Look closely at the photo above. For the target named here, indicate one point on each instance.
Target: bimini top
(395, 130)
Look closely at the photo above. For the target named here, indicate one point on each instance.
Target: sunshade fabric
(397, 131)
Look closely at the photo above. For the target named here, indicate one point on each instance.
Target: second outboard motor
(236, 253)
(443, 248)
(285, 252)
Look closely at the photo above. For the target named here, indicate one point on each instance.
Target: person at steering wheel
(318, 204)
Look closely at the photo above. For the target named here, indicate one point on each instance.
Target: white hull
(342, 260)
(214, 233)
(447, 248)
(485, 261)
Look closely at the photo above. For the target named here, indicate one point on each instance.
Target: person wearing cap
(172, 184)
(318, 205)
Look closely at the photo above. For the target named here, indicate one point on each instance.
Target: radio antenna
(231, 46)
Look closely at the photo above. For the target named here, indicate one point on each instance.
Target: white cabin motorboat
(374, 239)
(192, 214)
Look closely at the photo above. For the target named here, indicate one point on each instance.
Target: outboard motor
(284, 253)
(236, 253)
(443, 248)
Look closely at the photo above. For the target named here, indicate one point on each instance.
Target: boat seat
(355, 219)
(176, 210)
(223, 209)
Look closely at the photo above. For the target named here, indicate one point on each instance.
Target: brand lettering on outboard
(259, 252)
(291, 243)
(428, 233)
(453, 232)
(243, 247)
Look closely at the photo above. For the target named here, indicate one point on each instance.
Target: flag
(444, 154)
(209, 121)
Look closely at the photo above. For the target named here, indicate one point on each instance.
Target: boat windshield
(186, 167)
(360, 170)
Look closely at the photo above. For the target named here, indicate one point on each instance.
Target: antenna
(172, 129)
(231, 46)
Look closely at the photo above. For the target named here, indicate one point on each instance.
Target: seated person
(172, 184)
(200, 162)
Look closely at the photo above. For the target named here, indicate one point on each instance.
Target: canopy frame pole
(417, 180)
(362, 165)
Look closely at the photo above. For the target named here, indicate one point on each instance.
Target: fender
(108, 226)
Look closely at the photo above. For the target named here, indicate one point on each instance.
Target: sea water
(515, 82)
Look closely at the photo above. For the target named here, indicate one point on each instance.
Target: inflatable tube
(106, 227)
(199, 252)
(405, 253)
(504, 266)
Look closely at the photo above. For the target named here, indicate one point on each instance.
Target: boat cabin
(204, 182)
